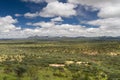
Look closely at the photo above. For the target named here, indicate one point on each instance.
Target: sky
(58, 18)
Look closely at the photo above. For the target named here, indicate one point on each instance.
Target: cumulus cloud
(31, 15)
(44, 24)
(110, 11)
(9, 30)
(107, 27)
(58, 9)
(7, 24)
(52, 29)
(34, 1)
(107, 24)
(54, 9)
(7, 27)
(57, 19)
(50, 0)
(109, 14)
(107, 8)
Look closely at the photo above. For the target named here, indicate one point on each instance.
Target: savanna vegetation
(60, 60)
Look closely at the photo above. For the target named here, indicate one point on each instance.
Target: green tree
(19, 71)
(33, 72)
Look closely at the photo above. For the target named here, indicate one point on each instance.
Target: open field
(60, 60)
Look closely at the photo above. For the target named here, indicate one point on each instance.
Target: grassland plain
(59, 60)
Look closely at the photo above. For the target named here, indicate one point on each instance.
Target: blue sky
(71, 18)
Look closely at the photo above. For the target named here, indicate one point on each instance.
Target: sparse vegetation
(60, 60)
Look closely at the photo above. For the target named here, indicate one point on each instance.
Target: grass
(29, 60)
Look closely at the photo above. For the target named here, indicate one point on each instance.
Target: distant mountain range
(80, 37)
(66, 38)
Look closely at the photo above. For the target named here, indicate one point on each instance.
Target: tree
(33, 72)
(19, 71)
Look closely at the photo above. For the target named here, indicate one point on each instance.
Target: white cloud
(7, 24)
(95, 3)
(58, 9)
(9, 30)
(106, 27)
(18, 15)
(50, 0)
(52, 29)
(107, 24)
(44, 24)
(54, 9)
(7, 20)
(31, 15)
(7, 27)
(34, 1)
(110, 11)
(57, 19)
(107, 8)
(109, 14)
